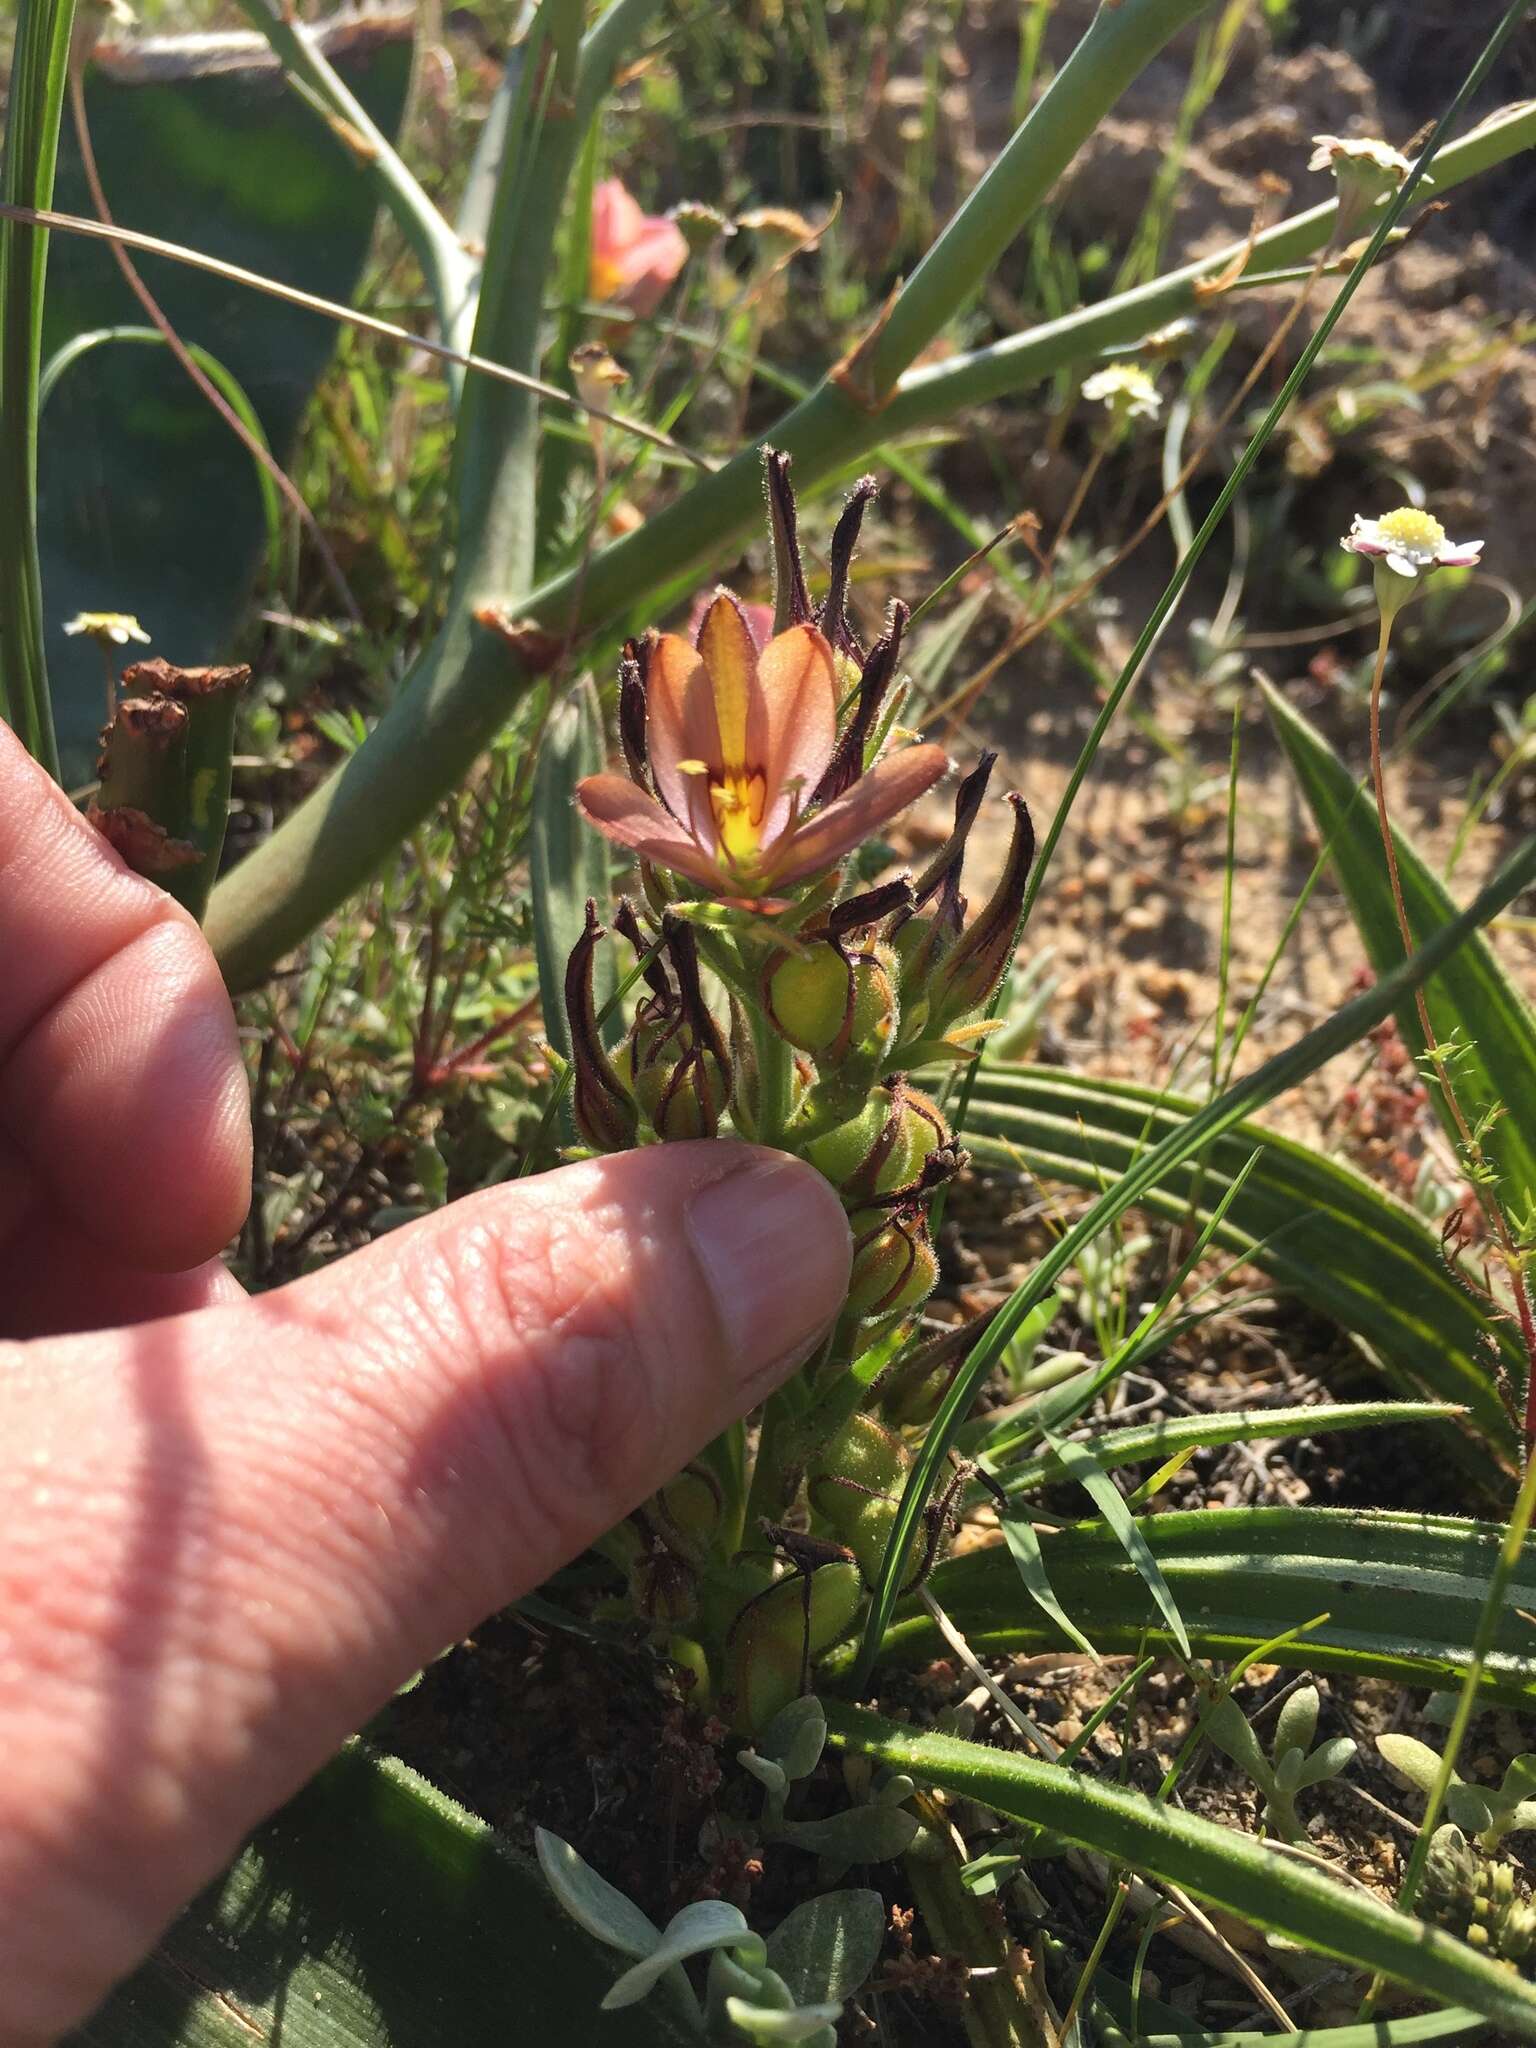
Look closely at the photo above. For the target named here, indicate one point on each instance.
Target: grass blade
(1472, 1002)
(1170, 1437)
(1231, 1870)
(1079, 1463)
(39, 74)
(1029, 1561)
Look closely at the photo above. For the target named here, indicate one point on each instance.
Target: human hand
(232, 1527)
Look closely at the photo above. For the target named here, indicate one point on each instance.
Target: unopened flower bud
(875, 677)
(971, 972)
(894, 1264)
(602, 1108)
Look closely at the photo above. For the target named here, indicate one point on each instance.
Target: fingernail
(773, 1245)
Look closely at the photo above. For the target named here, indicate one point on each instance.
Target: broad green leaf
(859, 1834)
(608, 1915)
(147, 502)
(1315, 1226)
(1186, 1141)
(826, 1948)
(566, 857)
(1401, 1593)
(795, 1737)
(374, 1913)
(1170, 1436)
(706, 1924)
(1230, 1869)
(1472, 1002)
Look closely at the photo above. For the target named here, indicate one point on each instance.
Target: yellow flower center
(1411, 528)
(737, 803)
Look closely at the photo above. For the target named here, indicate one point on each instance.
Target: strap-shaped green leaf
(1473, 1005)
(1315, 1226)
(1401, 1594)
(1172, 1436)
(1231, 1869)
(372, 1912)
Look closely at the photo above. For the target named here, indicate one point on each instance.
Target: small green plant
(790, 1986)
(1485, 1813)
(1293, 1766)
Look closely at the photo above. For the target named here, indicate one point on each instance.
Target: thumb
(231, 1534)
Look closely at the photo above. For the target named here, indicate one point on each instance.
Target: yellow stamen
(693, 767)
(738, 803)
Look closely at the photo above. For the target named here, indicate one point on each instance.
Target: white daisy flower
(1409, 541)
(1365, 171)
(1125, 390)
(116, 628)
(1332, 150)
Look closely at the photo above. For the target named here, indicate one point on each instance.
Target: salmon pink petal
(655, 256)
(726, 648)
(613, 805)
(799, 686)
(616, 220)
(680, 726)
(895, 781)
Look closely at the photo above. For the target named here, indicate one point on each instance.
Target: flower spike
(791, 599)
(605, 1116)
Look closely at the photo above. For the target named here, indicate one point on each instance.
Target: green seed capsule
(768, 1646)
(894, 1266)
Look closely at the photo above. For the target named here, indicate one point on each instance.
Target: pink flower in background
(635, 255)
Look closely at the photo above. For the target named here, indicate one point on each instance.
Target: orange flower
(738, 743)
(635, 255)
